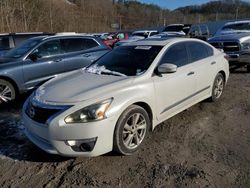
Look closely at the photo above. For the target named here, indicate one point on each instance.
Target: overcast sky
(173, 4)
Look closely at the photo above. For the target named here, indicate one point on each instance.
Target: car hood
(232, 36)
(79, 86)
(5, 60)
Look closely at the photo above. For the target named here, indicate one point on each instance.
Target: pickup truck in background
(199, 31)
(235, 44)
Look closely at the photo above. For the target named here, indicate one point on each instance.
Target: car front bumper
(239, 58)
(54, 137)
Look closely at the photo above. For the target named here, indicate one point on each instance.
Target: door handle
(213, 63)
(57, 60)
(190, 73)
(86, 55)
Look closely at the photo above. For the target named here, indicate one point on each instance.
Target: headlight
(90, 113)
(246, 46)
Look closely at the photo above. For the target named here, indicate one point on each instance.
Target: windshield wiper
(109, 72)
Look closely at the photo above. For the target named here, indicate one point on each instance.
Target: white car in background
(115, 102)
(138, 35)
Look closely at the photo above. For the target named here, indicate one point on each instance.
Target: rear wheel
(7, 91)
(218, 87)
(131, 129)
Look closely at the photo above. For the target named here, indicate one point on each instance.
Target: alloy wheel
(219, 85)
(5, 93)
(134, 130)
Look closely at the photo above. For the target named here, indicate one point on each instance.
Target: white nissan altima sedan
(115, 102)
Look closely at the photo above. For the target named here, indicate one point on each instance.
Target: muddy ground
(207, 145)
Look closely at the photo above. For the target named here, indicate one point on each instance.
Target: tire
(125, 141)
(248, 68)
(7, 91)
(218, 87)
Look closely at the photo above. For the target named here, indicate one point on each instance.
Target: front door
(45, 62)
(174, 90)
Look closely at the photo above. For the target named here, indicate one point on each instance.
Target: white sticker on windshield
(143, 47)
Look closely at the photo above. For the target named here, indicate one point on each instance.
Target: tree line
(103, 15)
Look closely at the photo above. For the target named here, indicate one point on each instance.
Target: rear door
(201, 56)
(48, 63)
(174, 90)
(80, 52)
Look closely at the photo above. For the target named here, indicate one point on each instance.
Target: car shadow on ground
(13, 142)
(238, 71)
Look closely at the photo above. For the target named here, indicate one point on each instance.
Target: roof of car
(159, 41)
(65, 36)
(144, 31)
(237, 22)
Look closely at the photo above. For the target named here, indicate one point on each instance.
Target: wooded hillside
(98, 15)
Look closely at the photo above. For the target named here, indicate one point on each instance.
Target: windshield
(238, 26)
(127, 60)
(22, 49)
(175, 28)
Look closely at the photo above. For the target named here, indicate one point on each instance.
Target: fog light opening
(86, 145)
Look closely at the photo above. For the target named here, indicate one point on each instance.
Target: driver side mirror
(166, 68)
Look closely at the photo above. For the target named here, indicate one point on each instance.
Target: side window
(204, 30)
(194, 31)
(20, 39)
(176, 54)
(154, 33)
(4, 43)
(49, 48)
(77, 44)
(120, 36)
(72, 45)
(197, 51)
(89, 43)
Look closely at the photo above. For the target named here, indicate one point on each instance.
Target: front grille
(40, 114)
(216, 45)
(231, 47)
(227, 46)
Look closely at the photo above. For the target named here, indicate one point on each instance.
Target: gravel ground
(204, 146)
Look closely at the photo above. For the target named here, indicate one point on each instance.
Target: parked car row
(112, 105)
(92, 99)
(41, 58)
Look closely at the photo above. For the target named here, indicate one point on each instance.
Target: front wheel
(131, 129)
(7, 91)
(218, 86)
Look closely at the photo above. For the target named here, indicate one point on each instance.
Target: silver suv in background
(41, 58)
